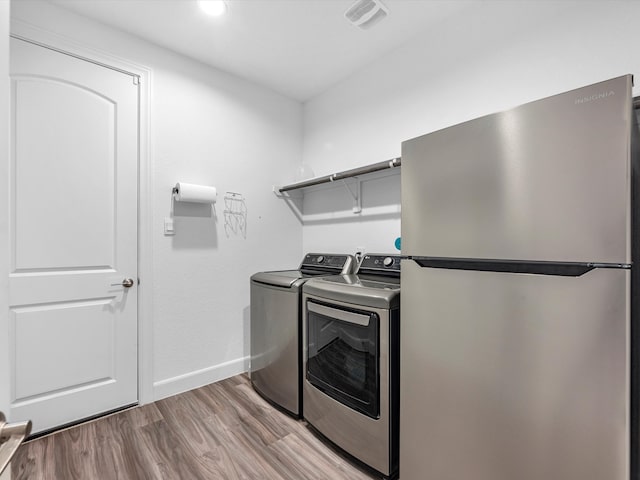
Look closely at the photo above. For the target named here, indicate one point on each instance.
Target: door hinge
(136, 80)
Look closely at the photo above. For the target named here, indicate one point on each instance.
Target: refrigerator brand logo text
(595, 96)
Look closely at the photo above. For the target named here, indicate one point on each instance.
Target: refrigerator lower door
(514, 376)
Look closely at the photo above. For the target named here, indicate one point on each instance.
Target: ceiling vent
(366, 13)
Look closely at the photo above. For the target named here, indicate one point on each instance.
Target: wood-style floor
(220, 431)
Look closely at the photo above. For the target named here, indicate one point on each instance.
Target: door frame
(5, 88)
(46, 39)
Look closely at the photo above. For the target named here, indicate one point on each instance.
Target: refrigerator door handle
(563, 269)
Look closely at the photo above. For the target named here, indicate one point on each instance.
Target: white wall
(213, 128)
(488, 58)
(331, 226)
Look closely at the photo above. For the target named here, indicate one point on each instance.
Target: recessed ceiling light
(215, 8)
(366, 13)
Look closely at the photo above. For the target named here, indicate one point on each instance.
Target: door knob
(126, 283)
(11, 436)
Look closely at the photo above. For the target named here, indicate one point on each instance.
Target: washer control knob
(388, 261)
(320, 259)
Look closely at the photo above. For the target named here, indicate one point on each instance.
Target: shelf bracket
(294, 202)
(357, 197)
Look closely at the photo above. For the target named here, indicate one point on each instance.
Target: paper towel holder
(193, 193)
(190, 194)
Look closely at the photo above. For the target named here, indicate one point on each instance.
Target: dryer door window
(343, 355)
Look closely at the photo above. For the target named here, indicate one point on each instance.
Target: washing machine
(351, 361)
(276, 353)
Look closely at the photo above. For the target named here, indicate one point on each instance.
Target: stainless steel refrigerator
(517, 319)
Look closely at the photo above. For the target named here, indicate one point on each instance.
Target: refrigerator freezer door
(509, 376)
(549, 180)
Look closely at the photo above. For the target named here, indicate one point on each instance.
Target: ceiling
(299, 48)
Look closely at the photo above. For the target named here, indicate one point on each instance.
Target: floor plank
(220, 431)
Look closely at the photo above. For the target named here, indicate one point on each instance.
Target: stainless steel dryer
(276, 356)
(351, 328)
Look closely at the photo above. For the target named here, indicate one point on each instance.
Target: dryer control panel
(332, 263)
(380, 264)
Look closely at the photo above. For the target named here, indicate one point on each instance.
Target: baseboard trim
(189, 381)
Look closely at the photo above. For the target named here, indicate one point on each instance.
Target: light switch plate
(168, 226)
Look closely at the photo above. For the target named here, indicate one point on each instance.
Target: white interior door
(73, 224)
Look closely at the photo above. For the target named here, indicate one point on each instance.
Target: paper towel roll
(188, 192)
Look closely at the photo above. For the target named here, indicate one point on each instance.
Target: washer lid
(284, 278)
